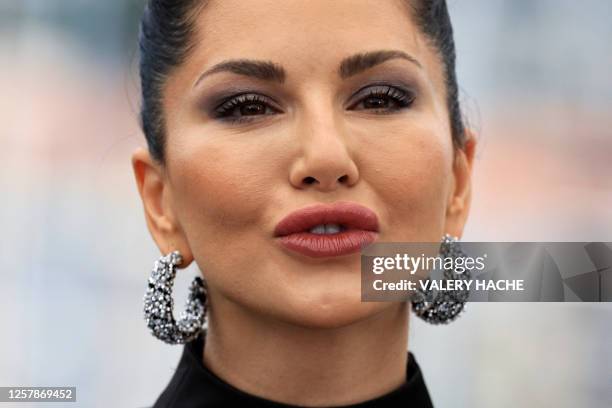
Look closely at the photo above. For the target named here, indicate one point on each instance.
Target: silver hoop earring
(158, 303)
(445, 305)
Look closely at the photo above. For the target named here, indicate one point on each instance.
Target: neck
(308, 366)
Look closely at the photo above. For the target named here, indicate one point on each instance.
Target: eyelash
(226, 111)
(401, 98)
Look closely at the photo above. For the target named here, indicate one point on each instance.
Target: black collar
(194, 385)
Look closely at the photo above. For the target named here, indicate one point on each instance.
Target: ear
(156, 194)
(459, 199)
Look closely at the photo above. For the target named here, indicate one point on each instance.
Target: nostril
(309, 180)
(343, 178)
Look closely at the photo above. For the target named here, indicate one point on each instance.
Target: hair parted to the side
(166, 38)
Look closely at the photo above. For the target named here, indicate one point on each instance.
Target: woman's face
(376, 134)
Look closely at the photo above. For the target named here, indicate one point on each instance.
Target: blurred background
(536, 81)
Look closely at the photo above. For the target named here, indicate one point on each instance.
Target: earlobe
(458, 204)
(159, 214)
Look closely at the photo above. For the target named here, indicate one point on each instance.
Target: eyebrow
(265, 70)
(269, 71)
(358, 63)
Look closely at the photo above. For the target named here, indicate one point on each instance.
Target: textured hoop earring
(445, 305)
(158, 303)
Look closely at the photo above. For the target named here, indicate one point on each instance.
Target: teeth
(332, 229)
(326, 229)
(319, 229)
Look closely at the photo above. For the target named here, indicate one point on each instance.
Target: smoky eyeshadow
(210, 103)
(390, 77)
(398, 89)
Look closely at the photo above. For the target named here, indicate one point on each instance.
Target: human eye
(244, 107)
(382, 99)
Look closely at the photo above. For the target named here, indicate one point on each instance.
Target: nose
(325, 162)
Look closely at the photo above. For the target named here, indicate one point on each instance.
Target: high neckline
(194, 385)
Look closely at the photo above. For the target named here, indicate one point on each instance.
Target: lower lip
(326, 245)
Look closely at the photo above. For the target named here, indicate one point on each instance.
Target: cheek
(220, 191)
(412, 174)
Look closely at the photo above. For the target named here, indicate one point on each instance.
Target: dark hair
(166, 34)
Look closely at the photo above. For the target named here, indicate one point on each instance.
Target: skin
(279, 320)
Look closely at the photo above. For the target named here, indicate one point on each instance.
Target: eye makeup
(238, 104)
(235, 105)
(382, 97)
(245, 105)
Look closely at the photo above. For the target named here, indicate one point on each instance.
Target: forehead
(305, 36)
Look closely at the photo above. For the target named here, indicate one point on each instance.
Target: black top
(194, 385)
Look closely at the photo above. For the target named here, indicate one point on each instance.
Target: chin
(334, 314)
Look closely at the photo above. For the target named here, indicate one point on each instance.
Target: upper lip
(350, 215)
